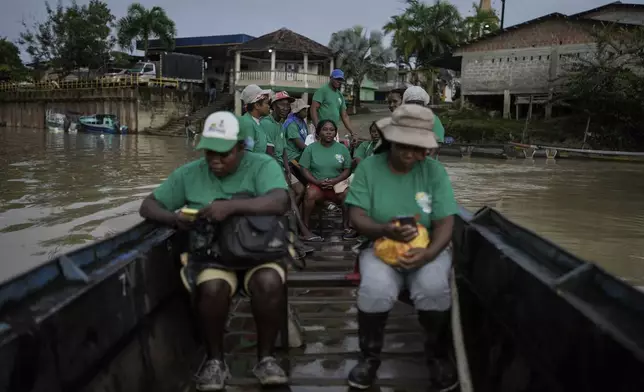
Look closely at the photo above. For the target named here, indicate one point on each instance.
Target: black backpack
(242, 242)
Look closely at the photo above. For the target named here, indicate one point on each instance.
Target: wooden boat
(113, 316)
(577, 153)
(101, 123)
(495, 151)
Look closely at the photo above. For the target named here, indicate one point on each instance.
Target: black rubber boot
(438, 347)
(371, 331)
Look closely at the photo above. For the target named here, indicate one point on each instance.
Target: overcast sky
(316, 19)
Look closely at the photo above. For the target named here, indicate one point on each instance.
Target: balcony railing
(282, 78)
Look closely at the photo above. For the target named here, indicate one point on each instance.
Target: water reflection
(59, 191)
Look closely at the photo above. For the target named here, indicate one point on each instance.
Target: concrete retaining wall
(139, 109)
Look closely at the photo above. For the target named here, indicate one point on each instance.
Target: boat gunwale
(33, 284)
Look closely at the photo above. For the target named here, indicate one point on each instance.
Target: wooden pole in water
(586, 133)
(527, 119)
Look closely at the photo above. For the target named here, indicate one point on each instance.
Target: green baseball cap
(220, 132)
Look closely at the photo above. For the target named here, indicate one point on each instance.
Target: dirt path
(361, 122)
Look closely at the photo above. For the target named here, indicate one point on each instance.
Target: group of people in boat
(264, 154)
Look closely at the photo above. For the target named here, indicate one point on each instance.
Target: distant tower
(486, 5)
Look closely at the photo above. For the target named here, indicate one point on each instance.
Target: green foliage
(424, 32)
(145, 24)
(608, 86)
(11, 67)
(71, 37)
(361, 56)
(481, 23)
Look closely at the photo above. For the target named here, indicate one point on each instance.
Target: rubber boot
(442, 372)
(371, 331)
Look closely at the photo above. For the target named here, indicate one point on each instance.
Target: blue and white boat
(101, 123)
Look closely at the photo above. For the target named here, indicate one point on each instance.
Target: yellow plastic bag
(390, 251)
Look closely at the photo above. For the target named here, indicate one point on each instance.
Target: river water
(59, 191)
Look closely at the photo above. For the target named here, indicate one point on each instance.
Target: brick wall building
(529, 58)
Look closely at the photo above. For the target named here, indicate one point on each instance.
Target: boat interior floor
(327, 318)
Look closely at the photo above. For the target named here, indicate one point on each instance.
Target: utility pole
(502, 13)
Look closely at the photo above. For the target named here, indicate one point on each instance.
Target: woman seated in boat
(366, 149)
(399, 181)
(296, 131)
(226, 170)
(325, 164)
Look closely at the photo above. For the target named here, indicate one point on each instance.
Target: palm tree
(143, 24)
(481, 23)
(361, 56)
(423, 33)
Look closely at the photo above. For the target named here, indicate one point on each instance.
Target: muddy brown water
(60, 191)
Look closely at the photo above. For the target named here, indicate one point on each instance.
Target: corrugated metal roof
(211, 40)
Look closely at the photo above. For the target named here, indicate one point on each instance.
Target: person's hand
(218, 210)
(414, 258)
(398, 233)
(183, 221)
(326, 184)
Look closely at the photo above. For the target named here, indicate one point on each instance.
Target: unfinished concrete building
(509, 68)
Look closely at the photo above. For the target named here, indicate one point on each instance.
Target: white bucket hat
(416, 93)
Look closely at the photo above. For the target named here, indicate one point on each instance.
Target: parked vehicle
(101, 123)
(526, 316)
(112, 76)
(172, 70)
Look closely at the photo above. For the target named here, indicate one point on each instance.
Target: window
(148, 68)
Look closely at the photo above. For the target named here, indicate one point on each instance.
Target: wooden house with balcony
(282, 61)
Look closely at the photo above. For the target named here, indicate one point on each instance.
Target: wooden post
(506, 104)
(586, 133)
(527, 119)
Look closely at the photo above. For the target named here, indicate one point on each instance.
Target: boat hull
(98, 129)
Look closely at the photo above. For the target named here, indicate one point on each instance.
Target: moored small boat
(101, 123)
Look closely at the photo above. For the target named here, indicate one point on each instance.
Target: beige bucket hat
(253, 93)
(411, 125)
(298, 105)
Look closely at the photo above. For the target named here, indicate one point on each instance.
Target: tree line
(84, 36)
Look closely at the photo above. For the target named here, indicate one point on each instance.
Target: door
(291, 70)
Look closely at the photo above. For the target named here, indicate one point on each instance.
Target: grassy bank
(475, 127)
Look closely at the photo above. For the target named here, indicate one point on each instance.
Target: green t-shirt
(293, 131)
(331, 103)
(364, 150)
(253, 130)
(325, 162)
(195, 186)
(439, 130)
(426, 190)
(274, 136)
